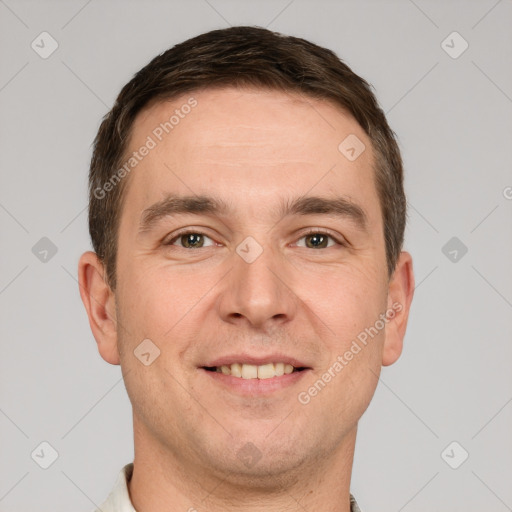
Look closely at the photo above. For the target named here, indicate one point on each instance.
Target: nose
(257, 293)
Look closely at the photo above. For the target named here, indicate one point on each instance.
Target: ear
(400, 293)
(99, 301)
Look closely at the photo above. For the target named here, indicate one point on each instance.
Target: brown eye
(318, 240)
(190, 240)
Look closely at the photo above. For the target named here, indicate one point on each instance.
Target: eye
(314, 239)
(190, 240)
(318, 240)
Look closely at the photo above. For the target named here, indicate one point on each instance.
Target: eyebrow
(173, 204)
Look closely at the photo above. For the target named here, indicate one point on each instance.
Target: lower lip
(256, 386)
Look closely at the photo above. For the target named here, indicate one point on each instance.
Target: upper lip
(255, 360)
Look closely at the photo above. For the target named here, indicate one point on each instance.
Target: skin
(251, 148)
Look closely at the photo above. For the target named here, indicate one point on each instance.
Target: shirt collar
(119, 498)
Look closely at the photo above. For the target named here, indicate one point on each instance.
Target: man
(247, 214)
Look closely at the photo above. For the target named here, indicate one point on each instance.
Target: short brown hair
(238, 57)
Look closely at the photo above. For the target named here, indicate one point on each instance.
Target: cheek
(350, 303)
(165, 304)
(346, 299)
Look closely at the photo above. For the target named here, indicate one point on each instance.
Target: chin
(266, 471)
(261, 459)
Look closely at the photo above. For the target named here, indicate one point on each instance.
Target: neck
(162, 482)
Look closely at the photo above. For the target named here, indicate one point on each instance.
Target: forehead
(250, 146)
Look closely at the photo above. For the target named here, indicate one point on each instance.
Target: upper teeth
(252, 371)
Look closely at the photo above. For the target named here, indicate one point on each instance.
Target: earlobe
(99, 302)
(400, 294)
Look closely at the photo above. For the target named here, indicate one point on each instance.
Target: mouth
(247, 375)
(249, 371)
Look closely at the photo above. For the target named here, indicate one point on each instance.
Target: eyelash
(311, 231)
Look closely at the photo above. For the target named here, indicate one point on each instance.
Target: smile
(251, 371)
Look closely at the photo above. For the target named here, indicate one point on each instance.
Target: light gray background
(453, 119)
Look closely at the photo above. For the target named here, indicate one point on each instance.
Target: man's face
(250, 285)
